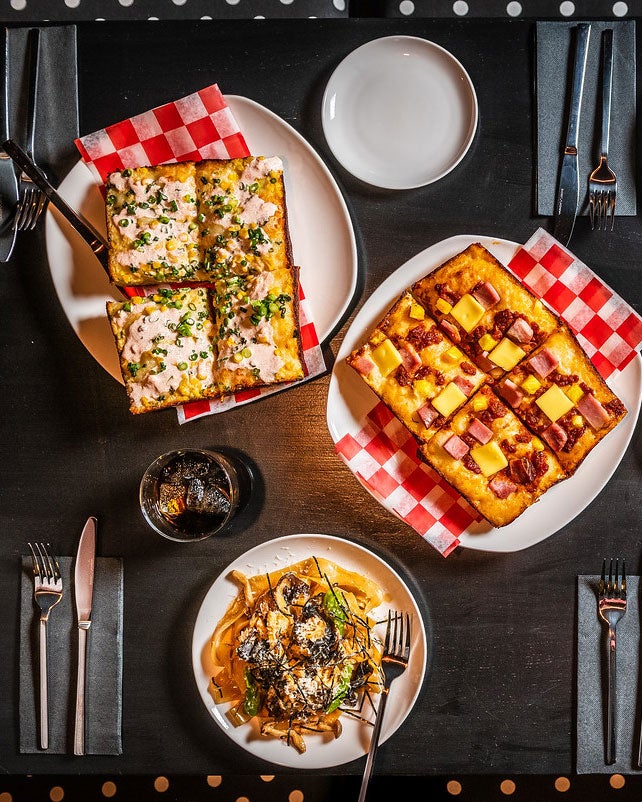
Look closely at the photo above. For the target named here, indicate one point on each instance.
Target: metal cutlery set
(48, 591)
(22, 202)
(602, 182)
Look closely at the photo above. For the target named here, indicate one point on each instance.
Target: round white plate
(315, 207)
(349, 400)
(399, 112)
(321, 752)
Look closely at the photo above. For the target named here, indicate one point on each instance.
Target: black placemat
(554, 51)
(591, 681)
(104, 662)
(57, 99)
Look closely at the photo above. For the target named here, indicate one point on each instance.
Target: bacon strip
(544, 362)
(363, 365)
(456, 447)
(485, 294)
(451, 330)
(593, 411)
(555, 436)
(410, 358)
(502, 487)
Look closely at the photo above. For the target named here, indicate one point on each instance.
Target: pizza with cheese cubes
(492, 459)
(415, 369)
(485, 310)
(559, 395)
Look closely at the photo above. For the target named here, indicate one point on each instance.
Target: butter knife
(8, 178)
(84, 591)
(568, 191)
(92, 237)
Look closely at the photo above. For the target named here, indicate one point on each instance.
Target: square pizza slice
(153, 236)
(560, 396)
(257, 330)
(415, 369)
(242, 215)
(492, 459)
(165, 344)
(485, 310)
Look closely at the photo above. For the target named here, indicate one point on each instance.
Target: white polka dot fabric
(29, 11)
(515, 9)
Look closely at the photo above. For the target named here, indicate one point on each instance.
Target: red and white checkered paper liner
(383, 454)
(199, 126)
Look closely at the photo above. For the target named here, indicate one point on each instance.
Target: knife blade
(95, 239)
(568, 186)
(84, 591)
(8, 178)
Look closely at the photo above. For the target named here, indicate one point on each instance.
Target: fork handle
(374, 743)
(79, 728)
(611, 696)
(44, 695)
(607, 87)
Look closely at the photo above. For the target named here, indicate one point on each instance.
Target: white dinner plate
(328, 262)
(399, 112)
(350, 399)
(322, 751)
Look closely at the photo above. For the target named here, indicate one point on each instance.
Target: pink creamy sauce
(177, 191)
(140, 341)
(151, 251)
(263, 357)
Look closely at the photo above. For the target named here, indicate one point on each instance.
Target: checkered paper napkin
(383, 454)
(199, 126)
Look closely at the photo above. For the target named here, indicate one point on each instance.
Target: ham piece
(593, 411)
(544, 362)
(502, 487)
(522, 470)
(363, 365)
(427, 414)
(480, 431)
(511, 392)
(555, 436)
(451, 330)
(520, 331)
(464, 384)
(410, 358)
(456, 447)
(485, 294)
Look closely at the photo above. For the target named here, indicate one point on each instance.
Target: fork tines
(612, 587)
(397, 639)
(45, 565)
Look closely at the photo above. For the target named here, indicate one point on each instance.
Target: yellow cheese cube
(487, 343)
(386, 357)
(578, 421)
(531, 384)
(506, 354)
(537, 444)
(422, 387)
(416, 311)
(452, 355)
(443, 306)
(467, 312)
(554, 403)
(490, 458)
(448, 399)
(480, 403)
(574, 392)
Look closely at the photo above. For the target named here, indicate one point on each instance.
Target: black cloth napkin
(104, 662)
(554, 53)
(57, 98)
(591, 681)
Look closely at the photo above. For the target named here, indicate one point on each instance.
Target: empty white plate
(399, 112)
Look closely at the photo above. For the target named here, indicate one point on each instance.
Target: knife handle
(44, 695)
(583, 32)
(79, 728)
(607, 87)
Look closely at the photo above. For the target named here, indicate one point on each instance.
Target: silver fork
(611, 607)
(396, 652)
(32, 202)
(602, 181)
(47, 593)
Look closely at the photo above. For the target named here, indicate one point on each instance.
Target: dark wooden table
(499, 692)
